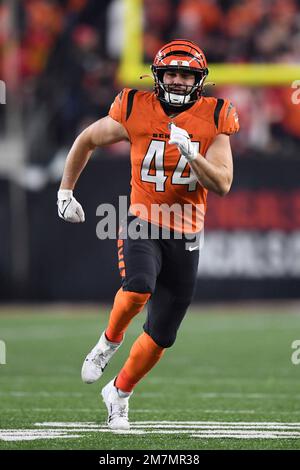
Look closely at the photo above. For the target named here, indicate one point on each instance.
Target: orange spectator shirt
(164, 189)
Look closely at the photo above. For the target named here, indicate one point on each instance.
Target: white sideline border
(193, 429)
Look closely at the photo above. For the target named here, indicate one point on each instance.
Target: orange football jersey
(164, 189)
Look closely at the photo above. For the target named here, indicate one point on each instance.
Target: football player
(180, 149)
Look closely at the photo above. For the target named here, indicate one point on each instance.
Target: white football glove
(181, 138)
(68, 208)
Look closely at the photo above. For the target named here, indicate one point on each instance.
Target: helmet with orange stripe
(183, 56)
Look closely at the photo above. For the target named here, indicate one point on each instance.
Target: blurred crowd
(59, 59)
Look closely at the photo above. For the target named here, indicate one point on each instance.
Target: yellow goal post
(132, 65)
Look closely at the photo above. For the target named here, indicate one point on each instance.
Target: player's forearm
(75, 162)
(210, 176)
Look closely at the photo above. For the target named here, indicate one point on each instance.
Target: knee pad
(165, 315)
(163, 339)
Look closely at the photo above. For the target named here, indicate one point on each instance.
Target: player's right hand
(181, 139)
(68, 208)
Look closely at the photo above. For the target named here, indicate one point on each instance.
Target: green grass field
(227, 383)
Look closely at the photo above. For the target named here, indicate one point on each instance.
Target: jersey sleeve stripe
(130, 102)
(218, 108)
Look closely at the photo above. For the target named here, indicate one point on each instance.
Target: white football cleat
(117, 407)
(96, 361)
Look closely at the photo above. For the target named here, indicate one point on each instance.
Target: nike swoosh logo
(193, 248)
(63, 213)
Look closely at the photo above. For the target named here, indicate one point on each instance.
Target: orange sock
(144, 354)
(126, 306)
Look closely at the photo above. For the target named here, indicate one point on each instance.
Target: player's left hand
(181, 138)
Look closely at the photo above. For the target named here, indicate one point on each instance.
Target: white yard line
(194, 429)
(244, 436)
(180, 425)
(212, 423)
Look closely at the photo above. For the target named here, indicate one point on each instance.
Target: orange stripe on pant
(144, 354)
(121, 258)
(126, 306)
